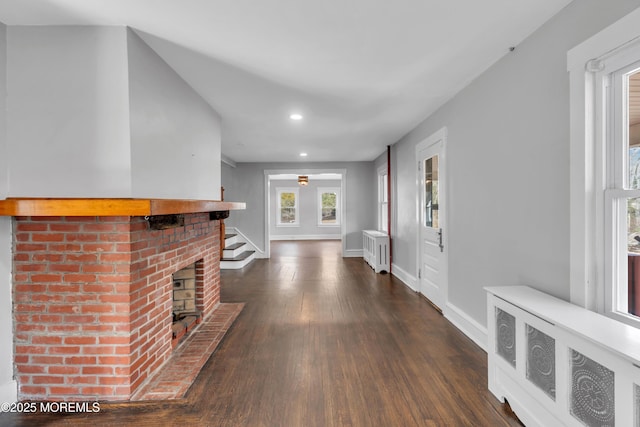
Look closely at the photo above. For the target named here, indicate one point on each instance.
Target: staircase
(236, 254)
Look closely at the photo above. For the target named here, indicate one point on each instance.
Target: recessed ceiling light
(303, 154)
(295, 116)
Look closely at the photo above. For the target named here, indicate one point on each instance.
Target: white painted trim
(228, 161)
(585, 243)
(306, 237)
(259, 252)
(606, 41)
(467, 325)
(461, 320)
(352, 253)
(9, 392)
(404, 277)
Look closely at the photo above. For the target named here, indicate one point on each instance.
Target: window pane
(287, 200)
(633, 204)
(431, 192)
(384, 217)
(384, 188)
(633, 119)
(633, 255)
(383, 193)
(287, 207)
(329, 204)
(287, 215)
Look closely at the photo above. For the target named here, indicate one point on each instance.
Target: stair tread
(244, 255)
(234, 246)
(229, 236)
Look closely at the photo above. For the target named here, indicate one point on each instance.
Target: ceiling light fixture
(295, 116)
(303, 180)
(303, 154)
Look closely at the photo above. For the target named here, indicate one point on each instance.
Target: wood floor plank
(322, 341)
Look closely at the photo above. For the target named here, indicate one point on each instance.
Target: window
(287, 214)
(622, 190)
(383, 202)
(328, 206)
(605, 171)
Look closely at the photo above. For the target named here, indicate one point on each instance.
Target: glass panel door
(431, 192)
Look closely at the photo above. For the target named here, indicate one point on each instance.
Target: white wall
(308, 208)
(245, 183)
(508, 159)
(175, 134)
(68, 112)
(8, 390)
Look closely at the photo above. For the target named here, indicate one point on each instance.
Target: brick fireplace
(92, 300)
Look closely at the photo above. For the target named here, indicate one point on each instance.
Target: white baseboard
(352, 253)
(306, 237)
(461, 320)
(468, 326)
(9, 392)
(405, 277)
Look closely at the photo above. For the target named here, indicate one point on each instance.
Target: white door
(432, 262)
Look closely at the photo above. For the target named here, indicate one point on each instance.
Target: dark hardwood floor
(322, 341)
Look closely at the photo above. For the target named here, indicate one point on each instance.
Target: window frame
(595, 185)
(613, 81)
(320, 191)
(383, 202)
(296, 192)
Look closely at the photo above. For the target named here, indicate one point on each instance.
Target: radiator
(375, 245)
(558, 364)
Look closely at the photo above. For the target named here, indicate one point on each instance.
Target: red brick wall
(92, 300)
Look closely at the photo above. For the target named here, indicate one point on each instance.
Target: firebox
(184, 309)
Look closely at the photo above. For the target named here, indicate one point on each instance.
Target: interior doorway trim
(268, 173)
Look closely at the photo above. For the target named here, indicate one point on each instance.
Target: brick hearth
(93, 300)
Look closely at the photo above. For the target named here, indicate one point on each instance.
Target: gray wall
(245, 183)
(308, 208)
(175, 134)
(68, 112)
(95, 112)
(508, 159)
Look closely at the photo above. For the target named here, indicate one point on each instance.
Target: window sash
(323, 210)
(287, 209)
(614, 101)
(383, 202)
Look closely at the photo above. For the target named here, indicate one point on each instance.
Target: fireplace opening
(184, 309)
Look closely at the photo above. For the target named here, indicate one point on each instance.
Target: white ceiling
(362, 72)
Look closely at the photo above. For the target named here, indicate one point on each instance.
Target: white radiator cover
(375, 250)
(559, 364)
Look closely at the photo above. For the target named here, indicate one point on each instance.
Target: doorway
(305, 204)
(432, 219)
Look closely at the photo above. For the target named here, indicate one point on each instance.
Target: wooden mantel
(110, 207)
